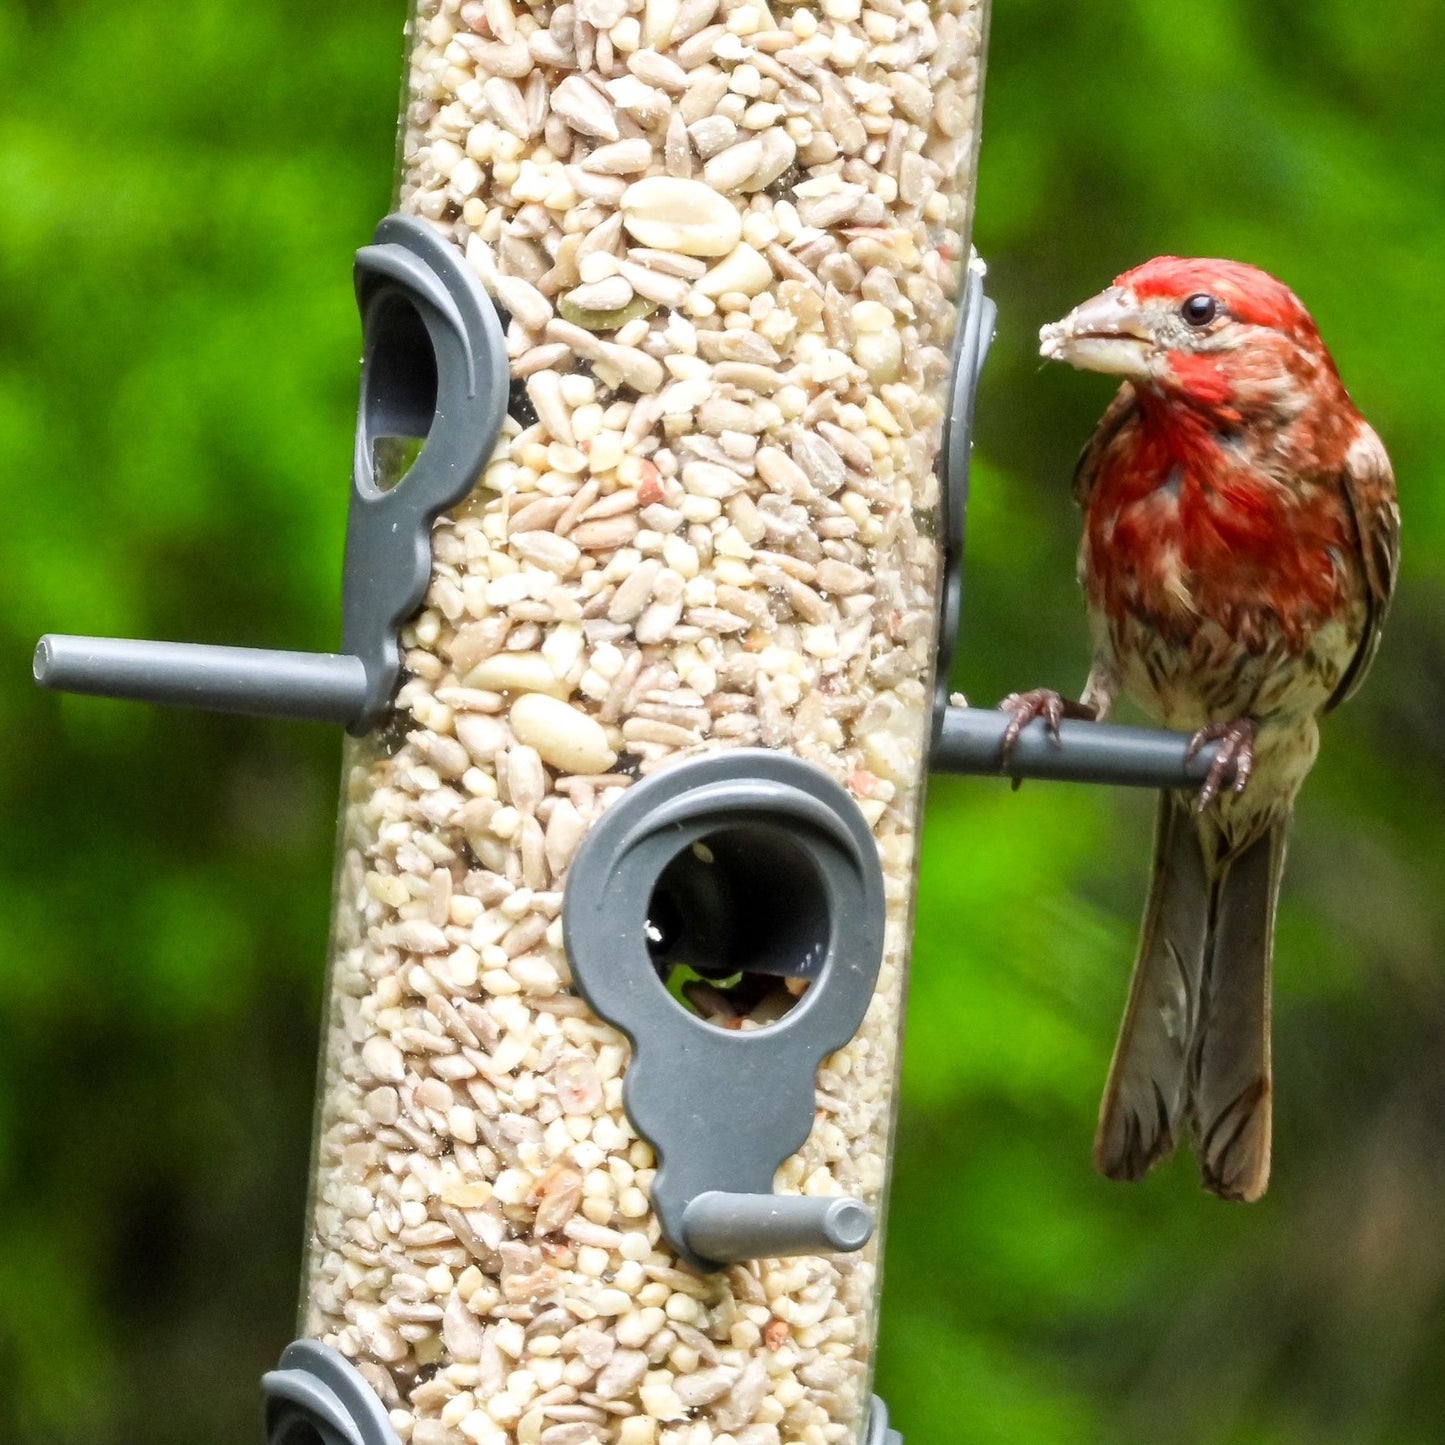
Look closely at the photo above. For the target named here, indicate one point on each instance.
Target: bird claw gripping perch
(1233, 758)
(1039, 703)
(434, 368)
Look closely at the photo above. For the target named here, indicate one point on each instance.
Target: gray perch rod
(970, 740)
(725, 1228)
(301, 686)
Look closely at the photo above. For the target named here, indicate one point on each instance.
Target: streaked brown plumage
(1241, 540)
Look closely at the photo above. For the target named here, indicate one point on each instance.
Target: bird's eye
(1200, 309)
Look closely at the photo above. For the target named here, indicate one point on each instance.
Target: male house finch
(1240, 545)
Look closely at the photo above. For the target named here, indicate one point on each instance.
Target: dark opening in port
(401, 389)
(738, 925)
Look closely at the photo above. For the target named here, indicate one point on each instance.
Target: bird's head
(1214, 333)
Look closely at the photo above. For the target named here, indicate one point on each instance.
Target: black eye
(1200, 309)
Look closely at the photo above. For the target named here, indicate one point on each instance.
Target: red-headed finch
(1240, 546)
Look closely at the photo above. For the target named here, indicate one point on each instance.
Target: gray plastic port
(315, 1396)
(434, 366)
(723, 1107)
(976, 319)
(878, 1429)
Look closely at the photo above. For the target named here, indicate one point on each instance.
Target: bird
(1240, 545)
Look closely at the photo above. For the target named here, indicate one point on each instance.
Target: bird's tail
(1194, 1048)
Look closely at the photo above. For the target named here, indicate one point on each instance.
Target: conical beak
(1109, 332)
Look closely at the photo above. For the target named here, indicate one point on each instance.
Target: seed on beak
(1052, 339)
(1108, 333)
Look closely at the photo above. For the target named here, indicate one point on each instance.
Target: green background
(181, 189)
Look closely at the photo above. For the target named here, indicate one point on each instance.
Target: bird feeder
(651, 589)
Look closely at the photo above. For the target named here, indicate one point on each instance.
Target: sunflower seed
(584, 109)
(727, 170)
(657, 70)
(524, 301)
(544, 390)
(611, 294)
(665, 290)
(621, 158)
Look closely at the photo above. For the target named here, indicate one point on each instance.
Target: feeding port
(767, 876)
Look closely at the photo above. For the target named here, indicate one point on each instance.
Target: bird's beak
(1109, 332)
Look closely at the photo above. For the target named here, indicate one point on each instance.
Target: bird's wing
(1110, 425)
(1368, 485)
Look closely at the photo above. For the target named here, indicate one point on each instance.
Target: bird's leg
(1235, 756)
(1039, 702)
(1101, 687)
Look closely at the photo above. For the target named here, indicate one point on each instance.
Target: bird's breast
(1179, 545)
(1221, 591)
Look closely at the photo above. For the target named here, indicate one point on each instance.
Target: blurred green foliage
(181, 189)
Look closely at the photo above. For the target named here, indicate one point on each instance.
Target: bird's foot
(1038, 702)
(1234, 759)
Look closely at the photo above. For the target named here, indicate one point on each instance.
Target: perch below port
(970, 740)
